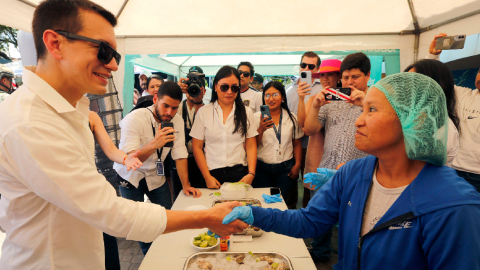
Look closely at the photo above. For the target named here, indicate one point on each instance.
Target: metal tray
(190, 260)
(253, 231)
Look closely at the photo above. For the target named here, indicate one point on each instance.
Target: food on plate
(221, 261)
(204, 240)
(204, 265)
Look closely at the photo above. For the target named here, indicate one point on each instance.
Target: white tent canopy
(250, 26)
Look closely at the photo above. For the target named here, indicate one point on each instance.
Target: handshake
(226, 218)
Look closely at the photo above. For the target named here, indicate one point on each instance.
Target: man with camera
(150, 131)
(251, 97)
(194, 87)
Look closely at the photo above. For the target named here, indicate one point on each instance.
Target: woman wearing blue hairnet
(399, 208)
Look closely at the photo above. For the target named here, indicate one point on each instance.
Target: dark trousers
(229, 174)
(472, 178)
(321, 244)
(275, 175)
(159, 196)
(112, 261)
(194, 176)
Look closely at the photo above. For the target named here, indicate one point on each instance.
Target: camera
(195, 83)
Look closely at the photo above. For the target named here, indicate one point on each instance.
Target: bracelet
(124, 159)
(249, 172)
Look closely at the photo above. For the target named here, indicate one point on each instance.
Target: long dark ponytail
(240, 114)
(279, 86)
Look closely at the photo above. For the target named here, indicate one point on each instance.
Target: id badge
(160, 168)
(279, 154)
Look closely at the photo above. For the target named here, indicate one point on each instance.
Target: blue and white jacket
(434, 223)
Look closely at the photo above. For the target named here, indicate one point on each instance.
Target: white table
(170, 251)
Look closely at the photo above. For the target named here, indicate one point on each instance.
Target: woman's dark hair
(279, 86)
(240, 114)
(154, 76)
(442, 75)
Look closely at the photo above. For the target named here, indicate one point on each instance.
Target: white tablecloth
(170, 251)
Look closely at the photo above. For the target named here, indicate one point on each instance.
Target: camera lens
(194, 90)
(304, 75)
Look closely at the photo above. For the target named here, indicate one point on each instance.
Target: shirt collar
(48, 94)
(217, 106)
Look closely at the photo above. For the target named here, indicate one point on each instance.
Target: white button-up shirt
(252, 99)
(136, 132)
(267, 150)
(222, 148)
(54, 203)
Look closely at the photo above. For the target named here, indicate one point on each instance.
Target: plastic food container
(253, 231)
(269, 257)
(236, 190)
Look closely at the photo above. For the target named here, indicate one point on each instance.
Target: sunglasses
(245, 74)
(310, 66)
(225, 87)
(105, 51)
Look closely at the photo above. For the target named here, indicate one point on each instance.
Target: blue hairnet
(420, 104)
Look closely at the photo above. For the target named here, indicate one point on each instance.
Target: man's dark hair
(356, 60)
(170, 89)
(63, 15)
(249, 65)
(311, 55)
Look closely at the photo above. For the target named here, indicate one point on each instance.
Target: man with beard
(142, 132)
(143, 81)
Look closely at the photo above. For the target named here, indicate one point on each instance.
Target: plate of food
(204, 241)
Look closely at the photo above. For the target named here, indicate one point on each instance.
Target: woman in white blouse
(224, 126)
(279, 143)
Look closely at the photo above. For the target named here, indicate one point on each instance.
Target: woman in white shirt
(228, 130)
(442, 75)
(279, 142)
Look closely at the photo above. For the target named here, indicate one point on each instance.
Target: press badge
(279, 154)
(160, 168)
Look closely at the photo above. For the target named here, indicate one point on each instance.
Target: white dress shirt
(222, 148)
(136, 132)
(267, 150)
(453, 142)
(252, 99)
(54, 203)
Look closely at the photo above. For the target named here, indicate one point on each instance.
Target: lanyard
(186, 112)
(278, 132)
(159, 153)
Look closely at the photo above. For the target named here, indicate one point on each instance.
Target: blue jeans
(159, 196)
(112, 261)
(275, 175)
(472, 178)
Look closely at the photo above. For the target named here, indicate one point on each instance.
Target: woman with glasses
(279, 142)
(227, 130)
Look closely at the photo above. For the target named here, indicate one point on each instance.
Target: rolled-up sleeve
(130, 136)
(179, 149)
(60, 173)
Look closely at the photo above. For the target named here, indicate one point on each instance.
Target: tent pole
(433, 26)
(180, 66)
(122, 8)
(26, 2)
(416, 32)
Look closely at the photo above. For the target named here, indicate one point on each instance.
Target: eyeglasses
(224, 88)
(245, 74)
(275, 95)
(105, 51)
(310, 66)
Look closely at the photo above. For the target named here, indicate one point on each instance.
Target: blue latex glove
(272, 198)
(210, 233)
(320, 178)
(244, 213)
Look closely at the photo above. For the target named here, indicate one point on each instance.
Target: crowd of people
(407, 151)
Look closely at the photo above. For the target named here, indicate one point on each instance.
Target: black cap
(258, 78)
(195, 69)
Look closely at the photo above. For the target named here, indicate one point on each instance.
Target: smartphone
(265, 111)
(335, 94)
(274, 190)
(164, 125)
(306, 76)
(450, 42)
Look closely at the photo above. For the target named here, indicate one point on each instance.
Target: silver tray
(253, 231)
(272, 254)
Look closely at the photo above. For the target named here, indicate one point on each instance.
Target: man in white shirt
(251, 97)
(54, 203)
(6, 81)
(143, 81)
(467, 161)
(142, 131)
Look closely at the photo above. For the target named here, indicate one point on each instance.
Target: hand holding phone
(336, 94)
(306, 76)
(450, 43)
(169, 137)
